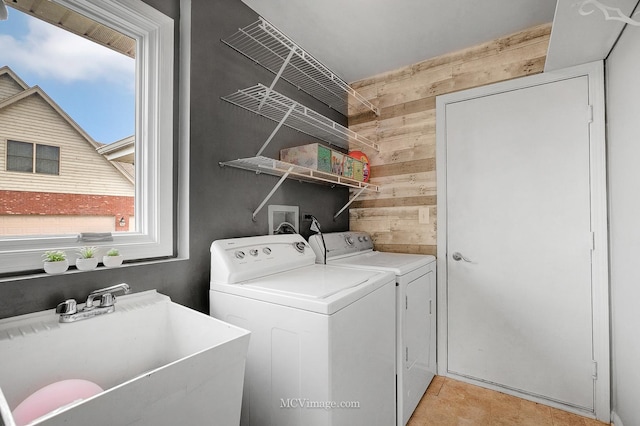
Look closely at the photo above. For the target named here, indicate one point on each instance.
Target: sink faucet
(69, 312)
(107, 299)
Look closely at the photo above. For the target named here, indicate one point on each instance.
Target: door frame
(600, 263)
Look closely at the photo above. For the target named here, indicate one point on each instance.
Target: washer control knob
(349, 240)
(300, 246)
(266, 251)
(253, 252)
(366, 238)
(360, 239)
(239, 254)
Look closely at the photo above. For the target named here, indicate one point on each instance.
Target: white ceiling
(361, 38)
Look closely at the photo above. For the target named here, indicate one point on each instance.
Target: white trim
(154, 33)
(600, 294)
(185, 128)
(5, 70)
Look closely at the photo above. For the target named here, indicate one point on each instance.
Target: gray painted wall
(623, 112)
(221, 199)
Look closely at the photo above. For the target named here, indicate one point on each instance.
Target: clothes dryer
(322, 347)
(415, 300)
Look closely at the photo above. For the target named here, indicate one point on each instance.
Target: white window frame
(154, 188)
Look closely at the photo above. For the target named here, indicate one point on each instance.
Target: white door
(519, 241)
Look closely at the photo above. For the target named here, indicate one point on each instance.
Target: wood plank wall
(402, 217)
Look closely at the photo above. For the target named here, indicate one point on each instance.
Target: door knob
(457, 256)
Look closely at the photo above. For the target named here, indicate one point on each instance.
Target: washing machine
(322, 347)
(415, 300)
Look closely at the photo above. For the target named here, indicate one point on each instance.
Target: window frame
(9, 156)
(154, 190)
(37, 159)
(34, 157)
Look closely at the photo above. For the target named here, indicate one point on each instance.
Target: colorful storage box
(337, 162)
(313, 156)
(352, 168)
(347, 167)
(358, 170)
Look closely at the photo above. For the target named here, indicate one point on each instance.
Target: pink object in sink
(53, 396)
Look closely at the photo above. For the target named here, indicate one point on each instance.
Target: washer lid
(398, 263)
(315, 281)
(324, 289)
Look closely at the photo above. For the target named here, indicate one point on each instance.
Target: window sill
(72, 269)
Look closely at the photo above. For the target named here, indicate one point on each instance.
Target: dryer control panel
(340, 244)
(241, 259)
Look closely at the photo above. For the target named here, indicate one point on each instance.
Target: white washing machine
(415, 307)
(322, 347)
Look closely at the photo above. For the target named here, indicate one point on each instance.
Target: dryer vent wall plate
(283, 219)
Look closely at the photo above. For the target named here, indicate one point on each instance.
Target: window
(146, 156)
(47, 159)
(20, 158)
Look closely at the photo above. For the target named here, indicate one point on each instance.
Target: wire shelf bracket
(272, 49)
(285, 171)
(270, 104)
(356, 195)
(280, 123)
(270, 194)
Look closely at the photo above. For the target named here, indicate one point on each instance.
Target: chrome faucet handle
(107, 299)
(103, 291)
(68, 307)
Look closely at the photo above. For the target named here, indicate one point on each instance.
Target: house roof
(127, 169)
(122, 150)
(37, 91)
(76, 23)
(8, 71)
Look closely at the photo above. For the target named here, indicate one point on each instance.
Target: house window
(141, 223)
(20, 158)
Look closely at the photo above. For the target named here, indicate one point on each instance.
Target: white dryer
(415, 307)
(322, 347)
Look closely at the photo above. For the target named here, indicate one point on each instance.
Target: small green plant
(54, 256)
(87, 252)
(113, 252)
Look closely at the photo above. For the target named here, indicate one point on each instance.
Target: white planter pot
(112, 261)
(54, 268)
(87, 264)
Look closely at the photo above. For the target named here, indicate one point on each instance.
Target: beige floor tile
(562, 418)
(534, 414)
(593, 422)
(436, 385)
(450, 402)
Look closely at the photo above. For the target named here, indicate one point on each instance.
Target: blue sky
(91, 83)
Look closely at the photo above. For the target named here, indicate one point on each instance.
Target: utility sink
(159, 363)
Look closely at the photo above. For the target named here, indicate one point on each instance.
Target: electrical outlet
(307, 216)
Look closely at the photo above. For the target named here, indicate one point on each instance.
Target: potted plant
(87, 260)
(55, 262)
(112, 259)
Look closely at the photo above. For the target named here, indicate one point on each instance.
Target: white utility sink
(158, 362)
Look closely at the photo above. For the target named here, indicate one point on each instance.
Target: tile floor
(451, 402)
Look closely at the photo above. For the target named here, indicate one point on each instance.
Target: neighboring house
(53, 177)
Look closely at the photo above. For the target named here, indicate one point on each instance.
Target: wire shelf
(270, 48)
(268, 103)
(279, 168)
